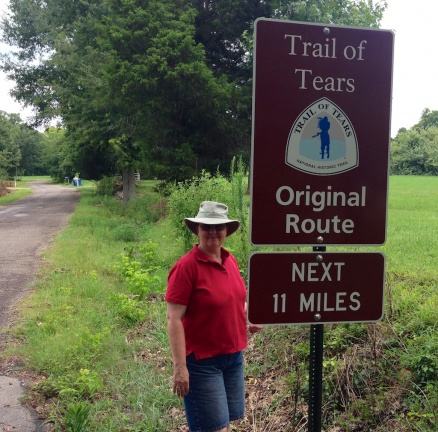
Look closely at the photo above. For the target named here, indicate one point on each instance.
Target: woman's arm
(175, 314)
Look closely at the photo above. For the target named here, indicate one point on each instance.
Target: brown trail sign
(321, 130)
(309, 288)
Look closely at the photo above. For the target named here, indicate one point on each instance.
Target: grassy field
(93, 333)
(412, 225)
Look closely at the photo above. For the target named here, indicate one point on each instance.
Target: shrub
(186, 196)
(139, 268)
(106, 186)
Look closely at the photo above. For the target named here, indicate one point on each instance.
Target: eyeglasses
(219, 227)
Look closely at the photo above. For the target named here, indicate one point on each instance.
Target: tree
(56, 156)
(164, 96)
(220, 26)
(10, 153)
(428, 119)
(415, 151)
(20, 147)
(31, 146)
(360, 13)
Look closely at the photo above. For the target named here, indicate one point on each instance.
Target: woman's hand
(252, 328)
(180, 380)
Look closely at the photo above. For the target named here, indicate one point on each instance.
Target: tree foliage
(20, 147)
(361, 13)
(56, 156)
(219, 29)
(415, 151)
(161, 86)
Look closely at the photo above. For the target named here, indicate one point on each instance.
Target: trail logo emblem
(322, 141)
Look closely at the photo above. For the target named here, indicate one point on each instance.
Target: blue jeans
(216, 392)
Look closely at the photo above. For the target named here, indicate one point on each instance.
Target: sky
(415, 70)
(7, 103)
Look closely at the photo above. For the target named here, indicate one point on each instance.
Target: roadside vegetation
(93, 333)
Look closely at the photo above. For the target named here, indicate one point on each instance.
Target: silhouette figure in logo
(324, 126)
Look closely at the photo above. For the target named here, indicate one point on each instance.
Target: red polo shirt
(215, 295)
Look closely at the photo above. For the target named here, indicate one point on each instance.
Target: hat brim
(192, 224)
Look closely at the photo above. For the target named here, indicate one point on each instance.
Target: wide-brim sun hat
(212, 213)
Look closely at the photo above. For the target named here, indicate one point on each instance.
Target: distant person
(324, 126)
(206, 314)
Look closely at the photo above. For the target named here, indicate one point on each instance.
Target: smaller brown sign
(312, 288)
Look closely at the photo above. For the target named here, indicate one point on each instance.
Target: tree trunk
(128, 185)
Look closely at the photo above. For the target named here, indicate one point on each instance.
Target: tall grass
(94, 330)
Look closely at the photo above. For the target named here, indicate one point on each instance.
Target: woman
(206, 302)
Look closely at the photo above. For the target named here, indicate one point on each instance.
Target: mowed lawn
(412, 240)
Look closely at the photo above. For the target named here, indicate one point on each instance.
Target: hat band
(211, 215)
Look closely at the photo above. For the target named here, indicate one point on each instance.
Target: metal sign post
(315, 376)
(315, 371)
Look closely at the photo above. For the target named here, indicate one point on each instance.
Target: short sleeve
(179, 284)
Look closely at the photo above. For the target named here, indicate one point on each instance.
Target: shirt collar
(199, 255)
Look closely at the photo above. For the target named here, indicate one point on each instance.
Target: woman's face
(212, 236)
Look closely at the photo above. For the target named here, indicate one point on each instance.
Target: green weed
(128, 309)
(77, 417)
(126, 233)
